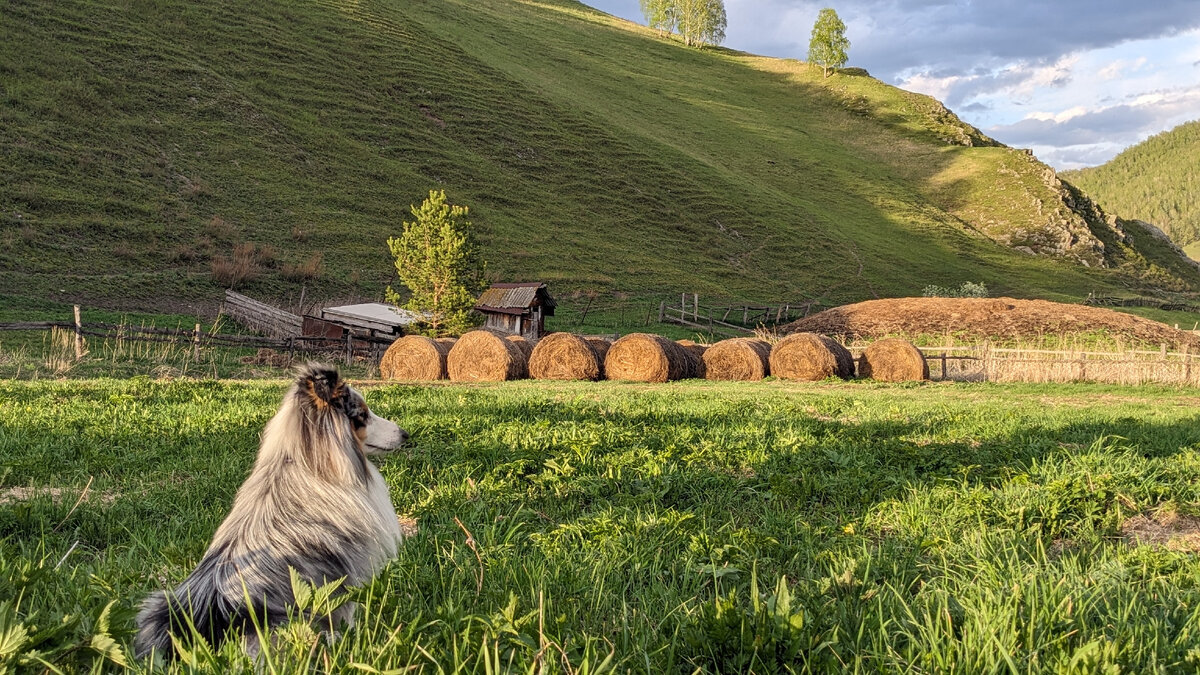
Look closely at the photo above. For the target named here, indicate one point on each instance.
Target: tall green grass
(765, 527)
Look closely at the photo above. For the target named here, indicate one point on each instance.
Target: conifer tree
(438, 261)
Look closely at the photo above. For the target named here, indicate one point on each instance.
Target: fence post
(349, 347)
(944, 365)
(196, 343)
(745, 315)
(696, 306)
(78, 335)
(662, 310)
(1163, 352)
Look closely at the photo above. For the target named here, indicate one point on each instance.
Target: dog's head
(322, 390)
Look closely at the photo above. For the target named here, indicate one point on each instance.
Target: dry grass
(240, 267)
(306, 271)
(60, 351)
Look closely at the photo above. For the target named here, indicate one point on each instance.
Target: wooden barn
(519, 309)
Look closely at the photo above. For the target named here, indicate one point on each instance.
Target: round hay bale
(808, 356)
(523, 344)
(643, 357)
(893, 360)
(563, 356)
(600, 346)
(738, 359)
(414, 357)
(695, 358)
(483, 356)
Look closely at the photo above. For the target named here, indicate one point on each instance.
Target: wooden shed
(517, 308)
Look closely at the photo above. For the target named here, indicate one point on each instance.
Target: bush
(966, 290)
(305, 271)
(237, 269)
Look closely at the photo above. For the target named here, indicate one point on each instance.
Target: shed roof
(375, 315)
(516, 298)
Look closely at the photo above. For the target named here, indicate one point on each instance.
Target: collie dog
(312, 503)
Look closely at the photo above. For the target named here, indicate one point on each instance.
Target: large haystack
(893, 360)
(738, 359)
(415, 357)
(695, 358)
(523, 344)
(985, 319)
(563, 356)
(808, 356)
(483, 356)
(643, 357)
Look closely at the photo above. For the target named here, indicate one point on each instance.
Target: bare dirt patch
(1170, 530)
(14, 495)
(983, 318)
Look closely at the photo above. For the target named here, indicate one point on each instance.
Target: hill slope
(1157, 180)
(143, 140)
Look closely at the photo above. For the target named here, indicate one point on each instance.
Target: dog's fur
(312, 503)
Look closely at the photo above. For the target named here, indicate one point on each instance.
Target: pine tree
(828, 45)
(438, 261)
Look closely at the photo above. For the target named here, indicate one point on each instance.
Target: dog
(312, 503)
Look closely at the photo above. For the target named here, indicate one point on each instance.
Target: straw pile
(563, 356)
(483, 356)
(415, 357)
(893, 360)
(738, 359)
(524, 345)
(808, 356)
(695, 358)
(643, 357)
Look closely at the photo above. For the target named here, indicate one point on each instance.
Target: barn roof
(516, 298)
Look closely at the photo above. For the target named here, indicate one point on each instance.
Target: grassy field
(695, 526)
(145, 141)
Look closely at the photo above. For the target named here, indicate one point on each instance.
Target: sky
(1077, 81)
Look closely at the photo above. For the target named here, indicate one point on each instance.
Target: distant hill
(145, 143)
(1157, 180)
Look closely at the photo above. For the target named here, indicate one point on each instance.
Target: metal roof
(509, 298)
(371, 314)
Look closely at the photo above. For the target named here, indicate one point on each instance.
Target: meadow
(688, 527)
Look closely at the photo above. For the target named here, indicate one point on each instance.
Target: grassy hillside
(646, 529)
(143, 142)
(1157, 180)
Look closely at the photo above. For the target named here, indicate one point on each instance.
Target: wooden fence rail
(351, 346)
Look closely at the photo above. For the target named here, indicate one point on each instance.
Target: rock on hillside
(984, 318)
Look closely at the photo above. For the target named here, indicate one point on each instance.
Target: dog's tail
(181, 614)
(154, 627)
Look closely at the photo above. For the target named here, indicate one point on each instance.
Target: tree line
(698, 22)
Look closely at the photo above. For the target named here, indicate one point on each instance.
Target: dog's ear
(321, 384)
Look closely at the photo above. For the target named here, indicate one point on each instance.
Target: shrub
(237, 269)
(305, 271)
(966, 290)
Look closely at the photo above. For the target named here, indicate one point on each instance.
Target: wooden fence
(984, 362)
(731, 320)
(348, 348)
(261, 317)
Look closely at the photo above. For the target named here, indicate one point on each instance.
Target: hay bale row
(738, 359)
(484, 356)
(563, 356)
